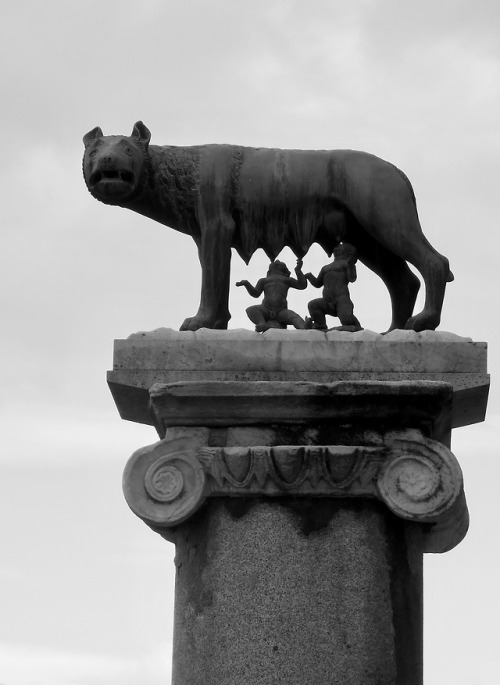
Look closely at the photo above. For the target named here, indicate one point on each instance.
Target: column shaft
(279, 591)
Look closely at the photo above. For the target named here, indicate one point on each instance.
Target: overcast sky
(86, 588)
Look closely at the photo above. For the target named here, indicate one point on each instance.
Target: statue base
(301, 490)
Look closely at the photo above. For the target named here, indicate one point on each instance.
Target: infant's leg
(345, 312)
(260, 317)
(257, 314)
(289, 318)
(317, 310)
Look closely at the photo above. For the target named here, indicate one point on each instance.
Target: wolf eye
(93, 152)
(128, 150)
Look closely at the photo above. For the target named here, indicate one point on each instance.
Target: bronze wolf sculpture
(228, 196)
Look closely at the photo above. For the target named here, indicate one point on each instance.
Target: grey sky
(85, 587)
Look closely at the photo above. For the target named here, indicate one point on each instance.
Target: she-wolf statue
(228, 196)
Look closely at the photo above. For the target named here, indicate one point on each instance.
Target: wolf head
(113, 166)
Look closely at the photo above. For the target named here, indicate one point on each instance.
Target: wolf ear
(89, 137)
(142, 133)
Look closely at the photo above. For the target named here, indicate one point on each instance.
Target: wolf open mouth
(121, 175)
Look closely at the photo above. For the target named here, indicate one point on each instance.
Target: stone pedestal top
(166, 356)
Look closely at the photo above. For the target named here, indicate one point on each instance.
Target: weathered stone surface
(325, 592)
(301, 477)
(361, 405)
(417, 478)
(166, 356)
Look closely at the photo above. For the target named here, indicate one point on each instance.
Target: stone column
(301, 508)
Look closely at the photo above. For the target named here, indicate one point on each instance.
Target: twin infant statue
(333, 278)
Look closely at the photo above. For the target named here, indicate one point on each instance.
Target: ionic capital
(418, 479)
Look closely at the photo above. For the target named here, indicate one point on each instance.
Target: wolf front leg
(214, 251)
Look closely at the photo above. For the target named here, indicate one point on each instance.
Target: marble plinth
(301, 476)
(167, 356)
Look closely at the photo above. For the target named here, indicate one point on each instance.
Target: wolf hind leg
(403, 285)
(435, 271)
